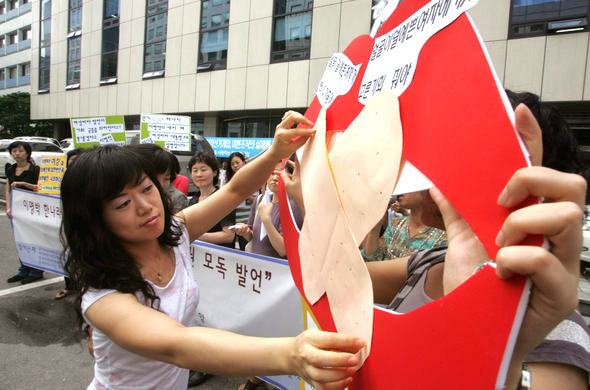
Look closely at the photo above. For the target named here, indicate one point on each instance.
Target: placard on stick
(88, 132)
(171, 132)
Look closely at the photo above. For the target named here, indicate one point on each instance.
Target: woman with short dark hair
(22, 174)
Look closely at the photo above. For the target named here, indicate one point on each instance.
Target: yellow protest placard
(52, 172)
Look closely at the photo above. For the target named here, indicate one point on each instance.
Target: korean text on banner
(248, 294)
(172, 132)
(224, 146)
(35, 223)
(52, 172)
(105, 130)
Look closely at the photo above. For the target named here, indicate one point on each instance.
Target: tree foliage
(15, 117)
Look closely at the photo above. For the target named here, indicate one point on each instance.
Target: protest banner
(249, 294)
(35, 224)
(429, 54)
(94, 131)
(224, 146)
(51, 174)
(172, 132)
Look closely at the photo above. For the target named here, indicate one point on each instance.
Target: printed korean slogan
(224, 146)
(249, 294)
(95, 131)
(35, 223)
(172, 132)
(52, 172)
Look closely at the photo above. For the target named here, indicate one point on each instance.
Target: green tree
(15, 117)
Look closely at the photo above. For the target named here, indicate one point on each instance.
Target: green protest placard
(95, 131)
(169, 131)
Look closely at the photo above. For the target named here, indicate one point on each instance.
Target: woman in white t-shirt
(130, 260)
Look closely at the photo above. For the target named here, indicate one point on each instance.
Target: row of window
(291, 37)
(10, 9)
(15, 41)
(541, 17)
(15, 76)
(291, 33)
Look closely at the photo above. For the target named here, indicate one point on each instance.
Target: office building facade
(15, 46)
(235, 66)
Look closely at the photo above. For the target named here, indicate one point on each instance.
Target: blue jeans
(25, 271)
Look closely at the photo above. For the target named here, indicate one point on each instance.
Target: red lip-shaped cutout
(458, 133)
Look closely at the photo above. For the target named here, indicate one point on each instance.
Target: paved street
(40, 345)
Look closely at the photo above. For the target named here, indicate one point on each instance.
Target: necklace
(159, 276)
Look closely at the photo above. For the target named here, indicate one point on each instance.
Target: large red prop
(458, 133)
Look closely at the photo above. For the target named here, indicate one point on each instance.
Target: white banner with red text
(249, 294)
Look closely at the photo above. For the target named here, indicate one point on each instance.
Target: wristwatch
(525, 378)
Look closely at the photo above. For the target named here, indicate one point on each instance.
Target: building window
(2, 7)
(25, 33)
(73, 74)
(12, 38)
(154, 58)
(12, 4)
(75, 15)
(12, 73)
(291, 37)
(25, 69)
(110, 42)
(213, 35)
(541, 17)
(251, 127)
(44, 45)
(2, 39)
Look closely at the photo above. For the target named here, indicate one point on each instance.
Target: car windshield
(44, 147)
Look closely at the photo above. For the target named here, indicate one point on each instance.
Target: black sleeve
(10, 172)
(36, 173)
(229, 219)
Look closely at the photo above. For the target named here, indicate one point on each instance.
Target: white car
(40, 150)
(38, 139)
(67, 144)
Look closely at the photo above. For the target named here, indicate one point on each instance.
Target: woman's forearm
(221, 237)
(275, 238)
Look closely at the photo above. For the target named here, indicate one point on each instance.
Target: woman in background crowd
(204, 173)
(404, 235)
(236, 162)
(162, 164)
(23, 174)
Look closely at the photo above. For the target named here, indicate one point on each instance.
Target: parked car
(67, 144)
(39, 139)
(198, 144)
(39, 150)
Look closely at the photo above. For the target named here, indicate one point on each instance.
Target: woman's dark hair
(560, 147)
(230, 172)
(154, 156)
(559, 144)
(73, 153)
(205, 158)
(94, 257)
(174, 167)
(25, 146)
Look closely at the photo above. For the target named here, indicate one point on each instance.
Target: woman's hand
(264, 211)
(287, 140)
(243, 230)
(554, 271)
(314, 358)
(292, 183)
